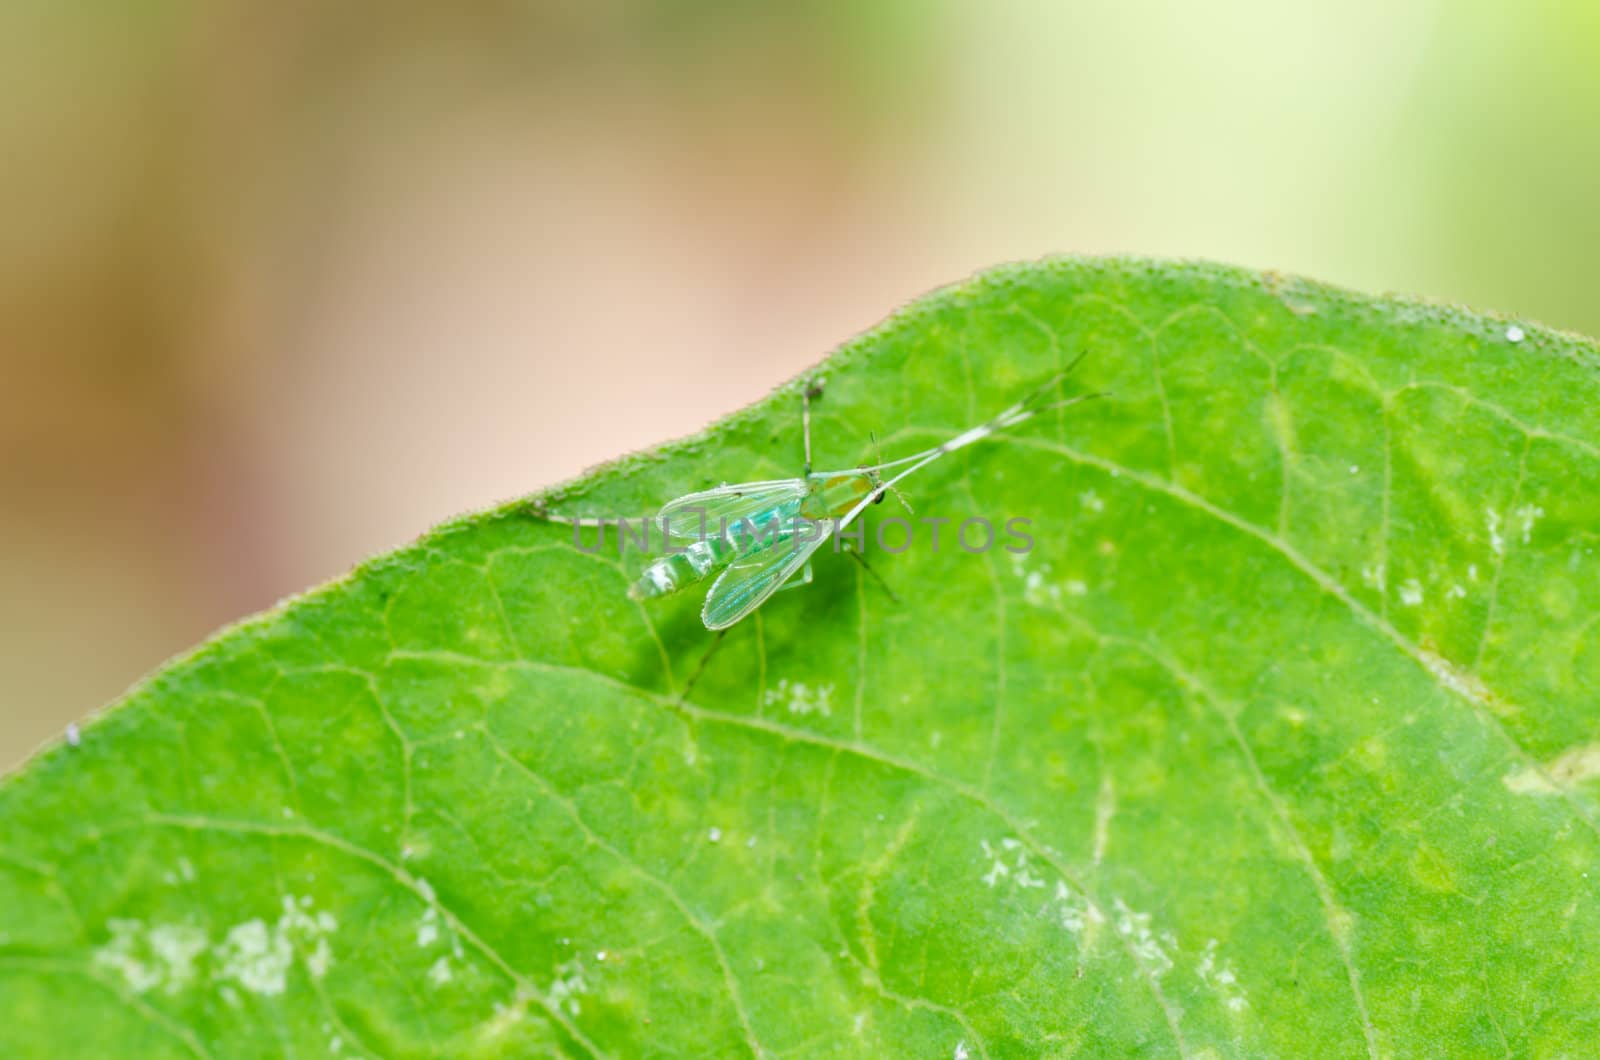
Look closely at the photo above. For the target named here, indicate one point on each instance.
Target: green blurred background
(284, 283)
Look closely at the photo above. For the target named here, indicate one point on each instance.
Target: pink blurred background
(283, 284)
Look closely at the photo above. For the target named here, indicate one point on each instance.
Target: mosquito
(762, 535)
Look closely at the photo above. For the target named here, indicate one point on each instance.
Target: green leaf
(1282, 740)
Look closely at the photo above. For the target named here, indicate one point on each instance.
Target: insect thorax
(834, 496)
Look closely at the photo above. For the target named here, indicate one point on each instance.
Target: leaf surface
(1281, 740)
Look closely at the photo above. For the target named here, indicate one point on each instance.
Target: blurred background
(284, 283)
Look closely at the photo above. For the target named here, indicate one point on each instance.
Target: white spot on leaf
(1375, 576)
(1075, 913)
(567, 986)
(428, 926)
(258, 956)
(1528, 514)
(177, 946)
(799, 698)
(162, 957)
(255, 957)
(252, 954)
(1152, 952)
(1222, 979)
(1039, 590)
(1011, 861)
(1566, 770)
(1036, 592)
(1010, 868)
(998, 867)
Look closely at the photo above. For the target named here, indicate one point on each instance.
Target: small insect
(762, 535)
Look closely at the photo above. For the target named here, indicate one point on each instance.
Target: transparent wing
(750, 579)
(697, 515)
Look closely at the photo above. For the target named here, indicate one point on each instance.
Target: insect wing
(696, 516)
(750, 579)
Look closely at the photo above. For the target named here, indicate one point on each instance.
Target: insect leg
(859, 558)
(688, 685)
(809, 391)
(801, 579)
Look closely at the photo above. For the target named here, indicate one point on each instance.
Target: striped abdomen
(671, 573)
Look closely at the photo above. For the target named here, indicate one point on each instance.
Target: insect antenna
(1052, 382)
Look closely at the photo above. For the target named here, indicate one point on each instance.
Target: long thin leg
(688, 685)
(859, 558)
(801, 578)
(806, 394)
